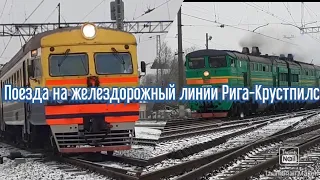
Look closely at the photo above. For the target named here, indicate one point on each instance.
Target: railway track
(131, 168)
(263, 157)
(179, 166)
(210, 169)
(197, 127)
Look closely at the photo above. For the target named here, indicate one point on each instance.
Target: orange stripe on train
(91, 108)
(83, 81)
(110, 119)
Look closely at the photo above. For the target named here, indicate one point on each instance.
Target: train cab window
(68, 65)
(113, 63)
(196, 63)
(232, 62)
(217, 62)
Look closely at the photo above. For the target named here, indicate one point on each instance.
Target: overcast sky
(16, 11)
(245, 17)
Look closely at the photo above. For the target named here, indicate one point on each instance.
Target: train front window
(217, 62)
(68, 65)
(113, 63)
(196, 63)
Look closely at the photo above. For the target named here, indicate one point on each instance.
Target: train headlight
(89, 31)
(206, 73)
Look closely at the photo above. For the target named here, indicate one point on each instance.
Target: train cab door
(245, 79)
(278, 77)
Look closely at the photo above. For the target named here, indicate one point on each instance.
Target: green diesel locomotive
(210, 67)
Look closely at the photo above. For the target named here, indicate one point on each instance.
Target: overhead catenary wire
(223, 25)
(92, 10)
(151, 10)
(22, 23)
(51, 13)
(5, 3)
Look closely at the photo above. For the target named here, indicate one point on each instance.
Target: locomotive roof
(35, 42)
(262, 59)
(235, 54)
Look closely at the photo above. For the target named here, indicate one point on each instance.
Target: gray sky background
(246, 16)
(16, 11)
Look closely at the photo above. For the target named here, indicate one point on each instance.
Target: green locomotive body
(215, 68)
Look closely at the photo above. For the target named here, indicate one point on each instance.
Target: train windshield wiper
(64, 57)
(115, 54)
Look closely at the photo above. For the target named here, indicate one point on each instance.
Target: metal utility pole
(180, 53)
(59, 15)
(180, 64)
(207, 40)
(160, 66)
(158, 44)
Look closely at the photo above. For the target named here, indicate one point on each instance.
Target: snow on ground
(146, 152)
(151, 123)
(311, 121)
(32, 170)
(231, 143)
(301, 172)
(147, 133)
(120, 166)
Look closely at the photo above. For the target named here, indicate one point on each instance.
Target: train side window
(260, 67)
(295, 78)
(18, 78)
(252, 67)
(15, 79)
(232, 64)
(21, 77)
(263, 68)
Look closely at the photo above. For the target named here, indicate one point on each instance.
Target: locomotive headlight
(206, 73)
(89, 31)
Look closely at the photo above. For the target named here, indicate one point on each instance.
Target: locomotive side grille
(111, 138)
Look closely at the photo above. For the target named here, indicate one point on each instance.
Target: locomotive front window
(68, 65)
(196, 63)
(217, 62)
(113, 63)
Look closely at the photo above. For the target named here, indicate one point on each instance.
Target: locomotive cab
(210, 68)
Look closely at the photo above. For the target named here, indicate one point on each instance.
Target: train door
(289, 77)
(245, 79)
(317, 81)
(25, 84)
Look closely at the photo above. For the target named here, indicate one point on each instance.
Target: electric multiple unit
(86, 56)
